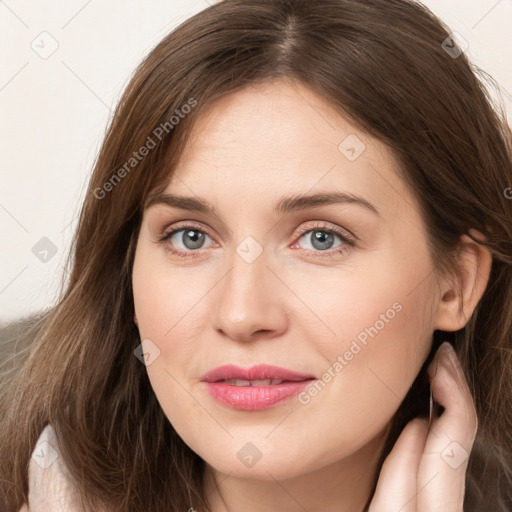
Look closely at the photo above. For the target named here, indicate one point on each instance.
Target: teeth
(239, 382)
(266, 382)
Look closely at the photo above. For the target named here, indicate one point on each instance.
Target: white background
(54, 111)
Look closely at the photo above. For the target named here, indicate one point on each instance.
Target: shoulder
(50, 488)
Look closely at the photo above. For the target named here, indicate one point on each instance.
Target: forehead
(275, 139)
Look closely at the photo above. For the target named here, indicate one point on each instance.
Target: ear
(461, 292)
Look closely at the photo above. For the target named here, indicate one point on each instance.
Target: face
(341, 291)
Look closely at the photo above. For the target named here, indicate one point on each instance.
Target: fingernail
(432, 368)
(448, 353)
(450, 359)
(444, 356)
(446, 347)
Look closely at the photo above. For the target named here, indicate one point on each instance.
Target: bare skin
(295, 307)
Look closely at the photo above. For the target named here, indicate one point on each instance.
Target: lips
(260, 375)
(256, 388)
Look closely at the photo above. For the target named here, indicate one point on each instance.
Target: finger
(442, 470)
(396, 486)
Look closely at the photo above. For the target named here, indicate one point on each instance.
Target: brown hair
(381, 63)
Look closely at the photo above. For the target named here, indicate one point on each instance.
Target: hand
(425, 471)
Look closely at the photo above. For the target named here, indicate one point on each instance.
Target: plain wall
(63, 67)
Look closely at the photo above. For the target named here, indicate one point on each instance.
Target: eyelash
(348, 242)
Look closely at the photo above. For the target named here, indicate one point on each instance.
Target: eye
(322, 241)
(187, 241)
(190, 237)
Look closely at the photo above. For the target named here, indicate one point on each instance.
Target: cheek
(164, 302)
(171, 304)
(164, 296)
(382, 326)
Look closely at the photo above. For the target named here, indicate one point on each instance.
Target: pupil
(197, 239)
(321, 239)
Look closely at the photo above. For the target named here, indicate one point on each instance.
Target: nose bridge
(248, 274)
(247, 301)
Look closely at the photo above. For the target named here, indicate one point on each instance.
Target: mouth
(255, 388)
(259, 375)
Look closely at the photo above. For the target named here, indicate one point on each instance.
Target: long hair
(385, 66)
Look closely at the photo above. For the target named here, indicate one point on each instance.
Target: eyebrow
(283, 206)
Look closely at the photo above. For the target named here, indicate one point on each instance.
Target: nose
(251, 301)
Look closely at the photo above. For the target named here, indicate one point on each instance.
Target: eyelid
(344, 234)
(168, 230)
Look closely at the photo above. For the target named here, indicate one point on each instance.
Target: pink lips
(259, 372)
(258, 397)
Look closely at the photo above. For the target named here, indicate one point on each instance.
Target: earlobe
(462, 293)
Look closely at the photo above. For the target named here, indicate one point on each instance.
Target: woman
(343, 180)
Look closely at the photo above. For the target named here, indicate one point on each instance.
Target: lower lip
(255, 398)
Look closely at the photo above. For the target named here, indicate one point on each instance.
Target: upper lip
(258, 372)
